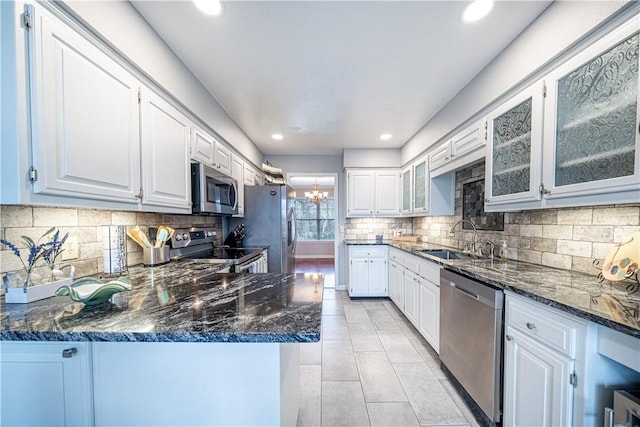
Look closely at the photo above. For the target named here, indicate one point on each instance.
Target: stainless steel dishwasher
(471, 338)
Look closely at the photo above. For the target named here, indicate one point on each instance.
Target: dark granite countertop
(180, 302)
(612, 304)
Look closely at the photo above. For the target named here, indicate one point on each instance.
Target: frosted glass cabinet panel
(512, 150)
(406, 191)
(514, 138)
(591, 118)
(420, 178)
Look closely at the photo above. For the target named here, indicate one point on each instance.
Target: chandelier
(316, 196)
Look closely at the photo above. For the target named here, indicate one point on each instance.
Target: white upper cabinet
(84, 116)
(387, 193)
(165, 162)
(420, 186)
(249, 175)
(407, 190)
(202, 146)
(360, 193)
(514, 150)
(591, 120)
(441, 155)
(222, 158)
(471, 139)
(373, 192)
(466, 147)
(586, 125)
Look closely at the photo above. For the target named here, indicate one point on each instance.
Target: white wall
(120, 24)
(372, 158)
(318, 249)
(552, 33)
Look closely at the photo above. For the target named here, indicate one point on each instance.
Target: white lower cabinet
(429, 313)
(543, 349)
(411, 286)
(46, 384)
(537, 391)
(396, 287)
(414, 287)
(368, 271)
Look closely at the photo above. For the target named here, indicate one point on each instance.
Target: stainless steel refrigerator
(269, 220)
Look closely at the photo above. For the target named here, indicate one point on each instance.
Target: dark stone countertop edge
(406, 247)
(184, 337)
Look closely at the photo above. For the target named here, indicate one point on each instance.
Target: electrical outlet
(70, 249)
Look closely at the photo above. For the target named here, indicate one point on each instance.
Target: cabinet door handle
(531, 325)
(508, 337)
(68, 353)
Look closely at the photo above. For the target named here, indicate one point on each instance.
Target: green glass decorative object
(91, 291)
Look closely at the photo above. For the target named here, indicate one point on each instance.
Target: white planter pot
(21, 295)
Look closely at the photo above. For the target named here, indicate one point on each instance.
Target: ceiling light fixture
(477, 10)
(210, 7)
(385, 136)
(316, 196)
(277, 136)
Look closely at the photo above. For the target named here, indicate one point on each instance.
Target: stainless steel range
(198, 244)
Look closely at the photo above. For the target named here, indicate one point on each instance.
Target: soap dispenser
(503, 253)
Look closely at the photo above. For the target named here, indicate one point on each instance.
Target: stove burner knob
(210, 234)
(185, 236)
(178, 237)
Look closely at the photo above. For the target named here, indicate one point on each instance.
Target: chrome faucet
(475, 232)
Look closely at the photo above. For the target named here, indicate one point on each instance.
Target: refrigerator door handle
(293, 231)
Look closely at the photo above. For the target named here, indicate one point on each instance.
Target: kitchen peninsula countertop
(612, 304)
(180, 302)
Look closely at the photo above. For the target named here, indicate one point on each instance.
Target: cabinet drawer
(544, 324)
(411, 263)
(396, 256)
(430, 271)
(368, 251)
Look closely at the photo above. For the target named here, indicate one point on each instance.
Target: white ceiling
(330, 75)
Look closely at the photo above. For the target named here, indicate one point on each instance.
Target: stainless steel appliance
(212, 192)
(471, 348)
(197, 244)
(269, 221)
(626, 409)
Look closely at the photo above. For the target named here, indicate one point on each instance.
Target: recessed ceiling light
(210, 7)
(385, 136)
(277, 136)
(477, 10)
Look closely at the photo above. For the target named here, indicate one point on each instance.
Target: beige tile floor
(372, 368)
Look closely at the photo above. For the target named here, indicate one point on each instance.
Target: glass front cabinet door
(407, 206)
(591, 122)
(420, 186)
(514, 137)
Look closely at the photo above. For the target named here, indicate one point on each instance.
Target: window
(315, 222)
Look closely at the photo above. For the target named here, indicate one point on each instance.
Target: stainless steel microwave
(213, 192)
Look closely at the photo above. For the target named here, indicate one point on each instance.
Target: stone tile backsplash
(85, 226)
(367, 228)
(567, 238)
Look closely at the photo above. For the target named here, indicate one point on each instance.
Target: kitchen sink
(445, 253)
